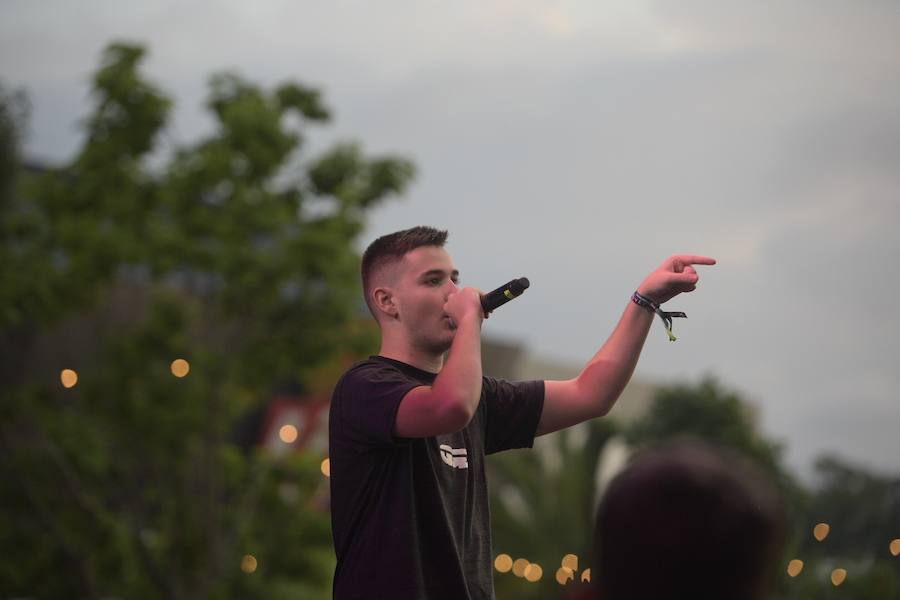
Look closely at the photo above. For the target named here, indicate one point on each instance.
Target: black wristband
(645, 302)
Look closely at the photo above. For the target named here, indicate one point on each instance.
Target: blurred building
(292, 406)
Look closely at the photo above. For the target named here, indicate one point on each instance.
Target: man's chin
(443, 346)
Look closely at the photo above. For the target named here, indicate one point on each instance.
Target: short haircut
(688, 520)
(392, 248)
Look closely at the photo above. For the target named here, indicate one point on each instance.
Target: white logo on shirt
(455, 457)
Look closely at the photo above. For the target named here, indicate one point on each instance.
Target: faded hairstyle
(391, 248)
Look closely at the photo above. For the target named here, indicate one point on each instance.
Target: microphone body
(504, 294)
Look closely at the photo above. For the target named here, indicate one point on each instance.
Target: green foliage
(543, 509)
(706, 411)
(543, 503)
(710, 412)
(231, 255)
(862, 508)
(863, 512)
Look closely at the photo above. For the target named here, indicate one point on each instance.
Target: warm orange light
(68, 377)
(895, 547)
(795, 567)
(820, 531)
(586, 575)
(180, 367)
(838, 576)
(503, 563)
(248, 563)
(563, 575)
(519, 567)
(533, 572)
(570, 561)
(288, 434)
(325, 467)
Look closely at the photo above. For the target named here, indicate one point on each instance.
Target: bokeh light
(325, 467)
(838, 576)
(248, 563)
(570, 561)
(180, 367)
(795, 567)
(503, 563)
(563, 575)
(68, 377)
(895, 547)
(288, 434)
(519, 567)
(586, 575)
(533, 572)
(820, 531)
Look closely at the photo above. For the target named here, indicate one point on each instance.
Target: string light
(570, 561)
(820, 531)
(503, 563)
(519, 567)
(180, 367)
(288, 434)
(533, 573)
(586, 575)
(248, 563)
(895, 547)
(563, 575)
(795, 567)
(838, 576)
(325, 467)
(68, 377)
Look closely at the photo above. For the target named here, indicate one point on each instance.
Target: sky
(580, 144)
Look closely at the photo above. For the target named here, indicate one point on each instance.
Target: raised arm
(594, 391)
(450, 402)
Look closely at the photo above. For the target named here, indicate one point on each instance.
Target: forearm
(459, 382)
(609, 371)
(598, 386)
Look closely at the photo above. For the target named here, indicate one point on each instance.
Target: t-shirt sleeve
(513, 411)
(368, 397)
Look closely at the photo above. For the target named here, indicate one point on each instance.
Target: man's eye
(434, 281)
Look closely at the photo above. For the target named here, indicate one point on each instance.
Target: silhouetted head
(688, 520)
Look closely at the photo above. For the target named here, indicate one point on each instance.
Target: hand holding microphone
(489, 301)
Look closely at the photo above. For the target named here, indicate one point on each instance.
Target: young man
(409, 430)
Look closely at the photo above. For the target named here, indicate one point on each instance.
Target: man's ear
(383, 299)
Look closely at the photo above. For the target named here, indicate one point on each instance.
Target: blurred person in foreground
(688, 520)
(409, 428)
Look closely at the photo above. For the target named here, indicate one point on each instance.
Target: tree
(863, 509)
(235, 255)
(560, 504)
(707, 411)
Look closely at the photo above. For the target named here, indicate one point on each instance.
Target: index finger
(693, 259)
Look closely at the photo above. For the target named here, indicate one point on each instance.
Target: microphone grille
(517, 286)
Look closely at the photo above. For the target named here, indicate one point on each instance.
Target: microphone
(504, 294)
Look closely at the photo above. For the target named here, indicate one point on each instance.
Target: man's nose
(450, 288)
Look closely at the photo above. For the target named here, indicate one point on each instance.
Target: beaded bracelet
(652, 306)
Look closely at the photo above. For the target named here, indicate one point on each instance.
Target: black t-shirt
(410, 516)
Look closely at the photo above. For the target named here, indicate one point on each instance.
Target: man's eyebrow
(433, 272)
